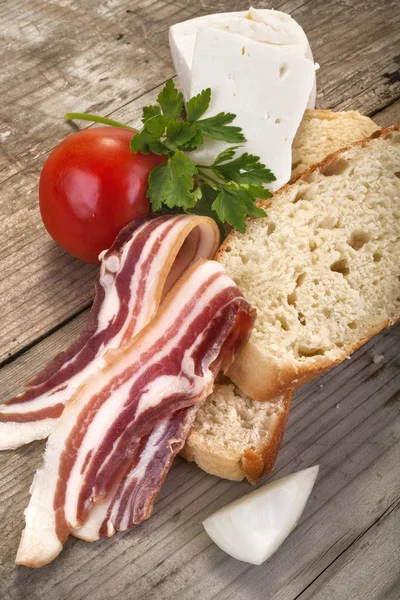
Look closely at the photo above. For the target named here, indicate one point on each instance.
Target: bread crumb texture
(323, 268)
(231, 420)
(234, 436)
(322, 132)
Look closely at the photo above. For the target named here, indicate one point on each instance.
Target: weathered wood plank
(348, 421)
(359, 47)
(388, 116)
(64, 56)
(374, 557)
(15, 374)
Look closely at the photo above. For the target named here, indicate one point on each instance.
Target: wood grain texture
(375, 556)
(112, 57)
(103, 57)
(388, 116)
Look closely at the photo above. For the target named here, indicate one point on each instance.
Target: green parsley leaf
(233, 205)
(256, 191)
(218, 128)
(209, 193)
(149, 112)
(244, 169)
(197, 106)
(252, 209)
(231, 209)
(170, 100)
(172, 183)
(225, 155)
(158, 147)
(179, 133)
(203, 207)
(226, 190)
(141, 141)
(196, 141)
(156, 126)
(197, 193)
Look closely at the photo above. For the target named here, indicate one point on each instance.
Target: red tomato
(90, 187)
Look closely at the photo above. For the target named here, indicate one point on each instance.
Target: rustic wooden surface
(111, 57)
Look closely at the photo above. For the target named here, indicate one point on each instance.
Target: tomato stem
(96, 119)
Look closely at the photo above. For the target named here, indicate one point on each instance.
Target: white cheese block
(266, 88)
(266, 26)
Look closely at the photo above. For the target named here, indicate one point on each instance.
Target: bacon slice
(143, 264)
(124, 415)
(131, 502)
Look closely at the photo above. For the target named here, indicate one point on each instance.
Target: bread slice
(322, 132)
(235, 437)
(322, 268)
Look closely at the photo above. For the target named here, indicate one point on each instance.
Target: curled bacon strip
(138, 270)
(131, 502)
(115, 434)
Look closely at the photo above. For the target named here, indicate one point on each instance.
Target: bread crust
(267, 384)
(330, 115)
(256, 465)
(251, 464)
(269, 380)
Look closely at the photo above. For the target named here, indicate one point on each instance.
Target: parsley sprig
(227, 189)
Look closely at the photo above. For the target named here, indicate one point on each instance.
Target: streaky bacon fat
(146, 259)
(120, 432)
(131, 502)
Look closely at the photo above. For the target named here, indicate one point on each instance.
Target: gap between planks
(321, 587)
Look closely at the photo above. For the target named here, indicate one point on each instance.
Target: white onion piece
(252, 528)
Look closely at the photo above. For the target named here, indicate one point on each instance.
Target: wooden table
(112, 57)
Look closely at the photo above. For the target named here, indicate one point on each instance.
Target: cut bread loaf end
(235, 437)
(322, 132)
(322, 268)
